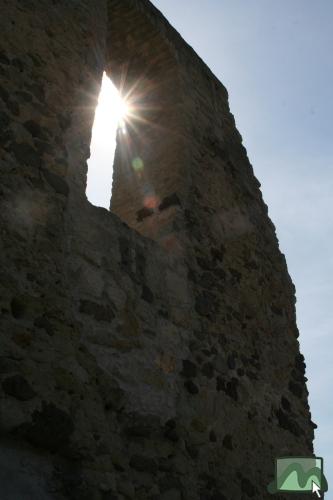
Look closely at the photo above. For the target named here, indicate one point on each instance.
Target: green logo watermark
(299, 475)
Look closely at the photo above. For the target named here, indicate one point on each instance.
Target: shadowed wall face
(131, 367)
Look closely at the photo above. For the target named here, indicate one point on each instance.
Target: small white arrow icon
(316, 489)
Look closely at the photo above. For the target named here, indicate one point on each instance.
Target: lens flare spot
(151, 201)
(137, 164)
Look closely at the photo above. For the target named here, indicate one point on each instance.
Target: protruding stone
(143, 464)
(227, 442)
(25, 154)
(18, 308)
(50, 428)
(191, 387)
(57, 182)
(100, 312)
(189, 369)
(18, 387)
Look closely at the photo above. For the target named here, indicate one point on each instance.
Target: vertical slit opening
(110, 114)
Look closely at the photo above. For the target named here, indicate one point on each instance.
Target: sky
(275, 59)
(103, 143)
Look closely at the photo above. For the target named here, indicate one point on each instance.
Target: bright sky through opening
(111, 113)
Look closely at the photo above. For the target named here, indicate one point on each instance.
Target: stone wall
(149, 352)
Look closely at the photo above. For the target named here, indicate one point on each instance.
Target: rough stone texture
(149, 353)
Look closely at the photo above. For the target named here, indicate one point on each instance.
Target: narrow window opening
(111, 112)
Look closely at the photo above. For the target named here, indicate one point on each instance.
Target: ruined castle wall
(145, 354)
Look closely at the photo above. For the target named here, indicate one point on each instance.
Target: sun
(112, 110)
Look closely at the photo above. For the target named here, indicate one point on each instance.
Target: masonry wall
(149, 352)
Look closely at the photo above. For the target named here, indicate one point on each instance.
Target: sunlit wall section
(149, 178)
